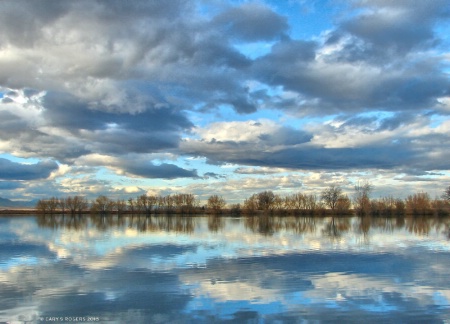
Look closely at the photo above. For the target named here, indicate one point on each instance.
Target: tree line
(331, 227)
(143, 204)
(331, 201)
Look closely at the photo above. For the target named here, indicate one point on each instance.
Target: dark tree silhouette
(361, 199)
(265, 200)
(331, 195)
(216, 204)
(446, 194)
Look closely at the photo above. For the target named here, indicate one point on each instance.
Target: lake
(172, 269)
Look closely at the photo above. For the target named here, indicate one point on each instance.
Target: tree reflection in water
(267, 225)
(215, 223)
(75, 222)
(141, 223)
(335, 227)
(278, 268)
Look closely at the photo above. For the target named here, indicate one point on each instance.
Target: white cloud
(101, 84)
(248, 131)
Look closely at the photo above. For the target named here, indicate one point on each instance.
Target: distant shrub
(418, 204)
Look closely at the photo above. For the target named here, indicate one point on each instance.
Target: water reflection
(162, 269)
(141, 223)
(335, 227)
(76, 222)
(332, 227)
(215, 223)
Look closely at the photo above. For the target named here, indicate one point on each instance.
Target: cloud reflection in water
(177, 269)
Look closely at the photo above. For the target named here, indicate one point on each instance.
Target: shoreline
(18, 212)
(320, 214)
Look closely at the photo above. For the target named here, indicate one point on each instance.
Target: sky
(122, 98)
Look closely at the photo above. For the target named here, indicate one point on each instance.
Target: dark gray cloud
(251, 22)
(423, 153)
(22, 21)
(18, 171)
(10, 185)
(10, 124)
(382, 31)
(397, 26)
(68, 112)
(332, 87)
(376, 122)
(285, 136)
(165, 171)
(213, 175)
(113, 79)
(372, 60)
(167, 46)
(24, 137)
(193, 61)
(104, 131)
(351, 142)
(148, 62)
(147, 169)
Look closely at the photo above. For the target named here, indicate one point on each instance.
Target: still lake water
(238, 270)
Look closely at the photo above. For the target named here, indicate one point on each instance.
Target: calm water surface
(238, 270)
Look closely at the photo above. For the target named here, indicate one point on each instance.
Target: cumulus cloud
(114, 48)
(251, 22)
(137, 166)
(384, 56)
(212, 175)
(164, 170)
(84, 78)
(351, 144)
(398, 26)
(10, 185)
(19, 171)
(325, 86)
(265, 132)
(259, 170)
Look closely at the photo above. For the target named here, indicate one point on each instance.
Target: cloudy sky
(228, 97)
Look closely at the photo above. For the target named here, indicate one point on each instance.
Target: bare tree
(178, 201)
(216, 204)
(145, 203)
(278, 203)
(70, 204)
(120, 205)
(296, 202)
(250, 205)
(53, 204)
(103, 205)
(131, 205)
(62, 205)
(343, 204)
(81, 204)
(446, 194)
(76, 204)
(361, 199)
(419, 203)
(189, 202)
(266, 200)
(331, 195)
(311, 202)
(167, 202)
(289, 203)
(42, 206)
